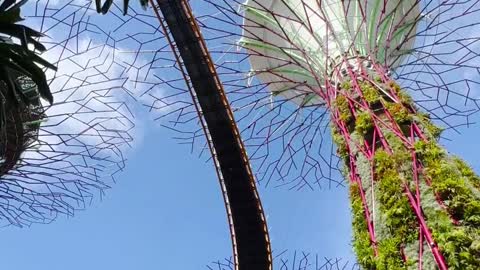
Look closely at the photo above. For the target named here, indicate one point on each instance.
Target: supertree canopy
(119, 53)
(294, 260)
(370, 80)
(55, 156)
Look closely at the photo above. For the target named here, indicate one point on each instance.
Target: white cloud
(89, 128)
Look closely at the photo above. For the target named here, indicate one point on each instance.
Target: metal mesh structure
(368, 69)
(56, 158)
(295, 260)
(290, 145)
(122, 53)
(292, 70)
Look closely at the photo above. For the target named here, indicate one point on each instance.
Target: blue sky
(166, 212)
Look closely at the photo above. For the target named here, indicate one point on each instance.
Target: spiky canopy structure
(294, 68)
(294, 260)
(408, 211)
(56, 158)
(370, 94)
(130, 42)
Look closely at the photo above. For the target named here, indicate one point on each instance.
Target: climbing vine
(448, 189)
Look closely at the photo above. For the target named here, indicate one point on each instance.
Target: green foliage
(475, 247)
(433, 131)
(389, 256)
(459, 249)
(404, 97)
(339, 140)
(452, 181)
(370, 93)
(395, 87)
(19, 61)
(448, 183)
(458, 244)
(399, 113)
(399, 216)
(363, 123)
(467, 172)
(395, 143)
(449, 178)
(429, 152)
(394, 206)
(383, 162)
(341, 102)
(361, 244)
(346, 85)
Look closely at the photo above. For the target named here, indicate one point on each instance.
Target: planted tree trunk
(21, 124)
(414, 205)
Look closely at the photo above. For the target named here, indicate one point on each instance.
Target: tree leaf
(106, 6)
(125, 7)
(6, 4)
(108, 3)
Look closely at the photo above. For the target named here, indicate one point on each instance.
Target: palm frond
(108, 4)
(18, 60)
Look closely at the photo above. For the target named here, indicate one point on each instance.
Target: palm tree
(18, 59)
(22, 84)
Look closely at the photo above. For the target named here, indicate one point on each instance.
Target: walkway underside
(247, 223)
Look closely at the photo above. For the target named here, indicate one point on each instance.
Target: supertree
(294, 260)
(64, 129)
(106, 59)
(374, 74)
